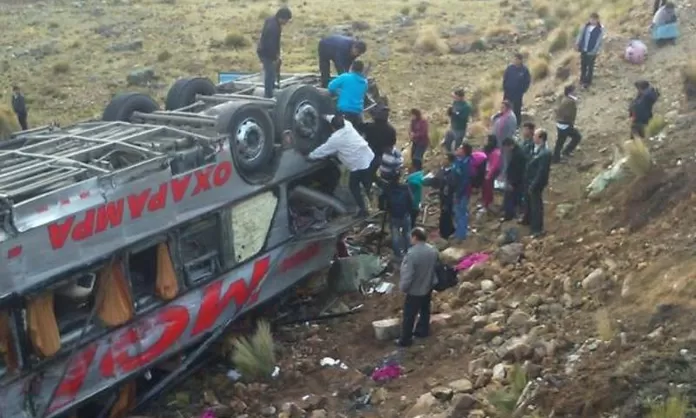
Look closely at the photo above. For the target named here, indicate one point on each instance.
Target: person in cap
(459, 114)
(342, 51)
(268, 49)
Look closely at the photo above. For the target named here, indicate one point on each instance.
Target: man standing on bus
(340, 49)
(351, 88)
(268, 49)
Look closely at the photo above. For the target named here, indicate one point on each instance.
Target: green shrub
(235, 40)
(655, 126)
(61, 68)
(255, 357)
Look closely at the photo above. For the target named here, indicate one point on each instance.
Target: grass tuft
(255, 357)
(539, 69)
(675, 406)
(61, 68)
(504, 400)
(605, 329)
(236, 40)
(638, 156)
(436, 135)
(655, 126)
(164, 56)
(429, 41)
(689, 80)
(558, 40)
(8, 122)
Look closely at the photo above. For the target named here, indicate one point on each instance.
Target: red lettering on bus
(110, 214)
(74, 378)
(300, 257)
(214, 301)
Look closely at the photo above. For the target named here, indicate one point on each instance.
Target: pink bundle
(636, 52)
(471, 260)
(386, 373)
(208, 414)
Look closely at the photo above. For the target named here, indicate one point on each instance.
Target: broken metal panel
(349, 274)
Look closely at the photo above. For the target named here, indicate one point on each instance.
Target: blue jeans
(400, 234)
(417, 152)
(269, 76)
(461, 218)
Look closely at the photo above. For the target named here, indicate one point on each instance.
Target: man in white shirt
(352, 150)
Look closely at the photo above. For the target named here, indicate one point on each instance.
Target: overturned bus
(132, 242)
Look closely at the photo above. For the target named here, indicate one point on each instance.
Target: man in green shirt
(415, 184)
(459, 120)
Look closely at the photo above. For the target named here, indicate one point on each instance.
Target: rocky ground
(594, 319)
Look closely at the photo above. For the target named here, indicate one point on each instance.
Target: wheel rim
(306, 120)
(250, 140)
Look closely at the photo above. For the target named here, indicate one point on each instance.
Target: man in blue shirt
(351, 88)
(340, 49)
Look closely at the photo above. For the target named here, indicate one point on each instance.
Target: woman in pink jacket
(492, 170)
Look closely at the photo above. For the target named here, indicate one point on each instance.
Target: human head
(357, 67)
(669, 5)
(518, 59)
(540, 137)
(505, 106)
(467, 149)
(416, 114)
(358, 48)
(337, 122)
(594, 18)
(450, 158)
(641, 85)
(15, 89)
(458, 94)
(508, 143)
(283, 15)
(528, 129)
(569, 89)
(380, 113)
(418, 236)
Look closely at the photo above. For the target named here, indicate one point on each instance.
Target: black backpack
(446, 277)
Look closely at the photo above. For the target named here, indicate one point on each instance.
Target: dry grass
(61, 68)
(436, 135)
(675, 406)
(8, 122)
(605, 329)
(255, 357)
(236, 40)
(539, 68)
(558, 40)
(638, 156)
(429, 41)
(689, 80)
(477, 130)
(655, 126)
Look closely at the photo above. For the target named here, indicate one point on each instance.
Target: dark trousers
(512, 200)
(269, 76)
(534, 211)
(587, 63)
(417, 152)
(22, 119)
(355, 180)
(415, 212)
(516, 103)
(415, 306)
(638, 129)
(325, 66)
(562, 135)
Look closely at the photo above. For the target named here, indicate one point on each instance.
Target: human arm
(270, 40)
(327, 149)
(406, 273)
(578, 39)
(527, 80)
(336, 84)
(507, 82)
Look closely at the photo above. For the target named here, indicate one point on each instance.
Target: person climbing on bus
(351, 88)
(268, 49)
(352, 151)
(342, 51)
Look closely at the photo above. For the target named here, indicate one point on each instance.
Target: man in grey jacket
(588, 44)
(417, 281)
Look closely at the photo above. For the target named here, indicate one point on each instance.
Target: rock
(452, 255)
(319, 413)
(626, 286)
(126, 46)
(532, 370)
(515, 350)
(510, 253)
(491, 330)
(312, 402)
(562, 73)
(483, 379)
(422, 406)
(479, 321)
(461, 386)
(291, 410)
(387, 329)
(141, 77)
(477, 364)
(379, 396)
(268, 411)
(463, 403)
(594, 280)
(488, 285)
(657, 334)
(499, 372)
(564, 210)
(440, 243)
(466, 289)
(473, 273)
(518, 319)
(533, 300)
(442, 393)
(107, 31)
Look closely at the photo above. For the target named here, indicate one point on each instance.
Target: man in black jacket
(588, 44)
(641, 110)
(19, 107)
(268, 49)
(514, 178)
(516, 81)
(380, 135)
(537, 178)
(342, 51)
